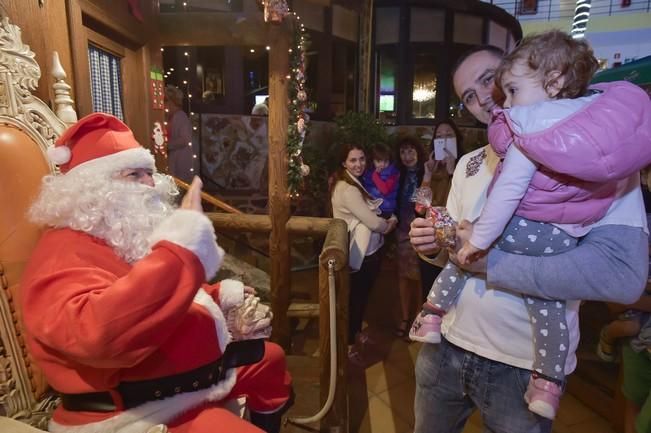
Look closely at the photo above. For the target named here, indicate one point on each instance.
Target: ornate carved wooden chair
(27, 128)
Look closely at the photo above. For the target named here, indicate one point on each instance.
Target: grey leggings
(550, 333)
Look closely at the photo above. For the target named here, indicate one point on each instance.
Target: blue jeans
(451, 383)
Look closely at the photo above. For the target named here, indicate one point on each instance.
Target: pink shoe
(543, 397)
(426, 329)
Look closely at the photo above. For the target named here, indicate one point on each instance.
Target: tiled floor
(381, 396)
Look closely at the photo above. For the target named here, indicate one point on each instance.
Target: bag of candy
(445, 227)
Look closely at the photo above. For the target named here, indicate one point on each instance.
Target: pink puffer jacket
(582, 156)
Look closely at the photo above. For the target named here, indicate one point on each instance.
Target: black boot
(269, 422)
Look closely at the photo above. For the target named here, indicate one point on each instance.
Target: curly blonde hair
(552, 51)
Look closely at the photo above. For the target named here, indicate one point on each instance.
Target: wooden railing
(209, 198)
(335, 249)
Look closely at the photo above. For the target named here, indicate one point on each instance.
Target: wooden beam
(308, 226)
(297, 225)
(303, 310)
(209, 198)
(325, 3)
(278, 191)
(240, 223)
(207, 29)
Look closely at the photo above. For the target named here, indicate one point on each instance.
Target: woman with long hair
(353, 204)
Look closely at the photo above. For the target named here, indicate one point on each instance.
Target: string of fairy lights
(275, 11)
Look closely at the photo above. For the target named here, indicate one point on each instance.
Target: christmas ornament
(160, 139)
(275, 10)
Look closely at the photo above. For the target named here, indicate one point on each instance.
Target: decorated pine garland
(276, 11)
(298, 119)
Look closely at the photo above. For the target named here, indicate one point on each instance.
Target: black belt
(128, 395)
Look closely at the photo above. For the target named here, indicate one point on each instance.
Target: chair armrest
(13, 426)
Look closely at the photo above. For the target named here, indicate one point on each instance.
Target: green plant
(321, 153)
(359, 128)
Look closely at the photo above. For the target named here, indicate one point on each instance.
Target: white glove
(249, 321)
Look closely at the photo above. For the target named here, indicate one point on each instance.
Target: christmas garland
(276, 11)
(298, 119)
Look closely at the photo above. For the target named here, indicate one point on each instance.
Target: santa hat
(99, 142)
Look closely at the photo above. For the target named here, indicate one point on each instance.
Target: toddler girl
(382, 180)
(569, 151)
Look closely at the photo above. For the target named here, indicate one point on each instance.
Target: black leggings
(361, 283)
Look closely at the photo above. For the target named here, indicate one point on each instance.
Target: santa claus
(116, 306)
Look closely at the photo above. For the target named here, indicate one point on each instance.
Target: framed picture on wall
(213, 84)
(528, 7)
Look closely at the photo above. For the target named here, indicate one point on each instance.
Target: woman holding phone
(442, 160)
(446, 139)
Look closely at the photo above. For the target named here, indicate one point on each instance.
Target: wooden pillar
(278, 191)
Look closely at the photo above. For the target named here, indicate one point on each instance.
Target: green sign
(637, 72)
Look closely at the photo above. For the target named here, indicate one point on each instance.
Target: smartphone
(439, 149)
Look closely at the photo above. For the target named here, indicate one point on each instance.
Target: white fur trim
(194, 231)
(223, 335)
(59, 155)
(231, 294)
(138, 157)
(145, 416)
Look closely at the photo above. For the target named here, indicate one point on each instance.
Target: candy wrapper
(445, 227)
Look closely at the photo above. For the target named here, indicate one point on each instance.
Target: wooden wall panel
(211, 29)
(45, 30)
(100, 21)
(63, 25)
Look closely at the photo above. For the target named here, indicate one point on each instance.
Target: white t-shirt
(490, 322)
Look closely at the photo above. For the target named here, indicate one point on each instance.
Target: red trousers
(266, 386)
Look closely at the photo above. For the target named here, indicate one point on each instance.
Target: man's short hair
(498, 52)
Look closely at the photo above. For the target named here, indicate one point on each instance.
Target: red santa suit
(94, 321)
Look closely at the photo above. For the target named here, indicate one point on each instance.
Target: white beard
(122, 213)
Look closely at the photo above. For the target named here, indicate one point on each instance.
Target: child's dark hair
(552, 51)
(381, 152)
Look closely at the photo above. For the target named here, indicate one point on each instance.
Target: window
(106, 82)
(386, 85)
(423, 96)
(342, 98)
(388, 20)
(427, 25)
(468, 29)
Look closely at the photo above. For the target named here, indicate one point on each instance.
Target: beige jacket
(365, 227)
